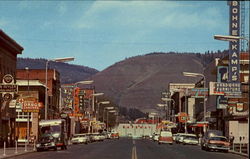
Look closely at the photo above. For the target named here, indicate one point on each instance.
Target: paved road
(130, 149)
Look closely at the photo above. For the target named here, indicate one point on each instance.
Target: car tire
(55, 148)
(202, 147)
(38, 150)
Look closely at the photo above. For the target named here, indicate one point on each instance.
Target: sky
(101, 33)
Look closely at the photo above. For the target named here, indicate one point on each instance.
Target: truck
(52, 134)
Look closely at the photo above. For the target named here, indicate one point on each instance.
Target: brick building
(53, 87)
(9, 49)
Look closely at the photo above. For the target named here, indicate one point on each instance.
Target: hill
(137, 82)
(69, 73)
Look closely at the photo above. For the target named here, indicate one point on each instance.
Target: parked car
(190, 139)
(165, 137)
(174, 136)
(208, 135)
(155, 137)
(114, 135)
(179, 137)
(220, 143)
(80, 138)
(46, 142)
(97, 137)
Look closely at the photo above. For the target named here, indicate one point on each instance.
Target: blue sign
(234, 46)
(222, 76)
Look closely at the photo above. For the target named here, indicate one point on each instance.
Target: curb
(238, 153)
(18, 154)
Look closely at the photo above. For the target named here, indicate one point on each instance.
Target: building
(29, 89)
(9, 49)
(53, 87)
(236, 113)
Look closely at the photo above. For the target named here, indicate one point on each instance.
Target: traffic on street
(129, 148)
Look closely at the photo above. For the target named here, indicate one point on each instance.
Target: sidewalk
(238, 153)
(11, 151)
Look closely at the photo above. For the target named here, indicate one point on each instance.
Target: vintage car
(165, 137)
(219, 143)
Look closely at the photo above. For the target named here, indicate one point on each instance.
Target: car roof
(220, 137)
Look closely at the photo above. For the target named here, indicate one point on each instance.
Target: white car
(155, 137)
(80, 138)
(192, 140)
(97, 137)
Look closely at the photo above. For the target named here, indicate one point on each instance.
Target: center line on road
(134, 154)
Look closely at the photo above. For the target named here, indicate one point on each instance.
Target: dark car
(46, 142)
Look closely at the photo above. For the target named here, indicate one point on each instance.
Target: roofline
(9, 41)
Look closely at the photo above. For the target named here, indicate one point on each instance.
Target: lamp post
(234, 39)
(108, 108)
(46, 80)
(111, 111)
(93, 99)
(83, 83)
(28, 114)
(98, 108)
(75, 85)
(167, 100)
(191, 74)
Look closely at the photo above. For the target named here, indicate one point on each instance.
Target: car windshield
(218, 138)
(191, 137)
(166, 133)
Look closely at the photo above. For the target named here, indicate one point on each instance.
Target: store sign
(31, 106)
(198, 92)
(234, 46)
(239, 107)
(8, 87)
(229, 90)
(222, 76)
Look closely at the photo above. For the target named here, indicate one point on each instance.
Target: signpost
(8, 87)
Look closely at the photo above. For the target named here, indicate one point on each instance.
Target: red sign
(31, 106)
(183, 117)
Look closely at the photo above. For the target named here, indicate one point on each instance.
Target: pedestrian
(231, 138)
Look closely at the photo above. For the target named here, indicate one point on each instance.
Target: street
(127, 148)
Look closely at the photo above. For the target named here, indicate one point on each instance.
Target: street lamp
(229, 38)
(111, 111)
(93, 99)
(108, 108)
(98, 107)
(167, 100)
(82, 83)
(191, 74)
(67, 59)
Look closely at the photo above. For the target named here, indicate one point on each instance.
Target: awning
(200, 124)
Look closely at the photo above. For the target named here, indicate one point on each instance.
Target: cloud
(138, 14)
(62, 8)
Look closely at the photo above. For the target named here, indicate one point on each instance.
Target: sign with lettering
(229, 90)
(234, 46)
(8, 87)
(222, 76)
(31, 106)
(198, 92)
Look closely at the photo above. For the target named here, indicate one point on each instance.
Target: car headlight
(52, 144)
